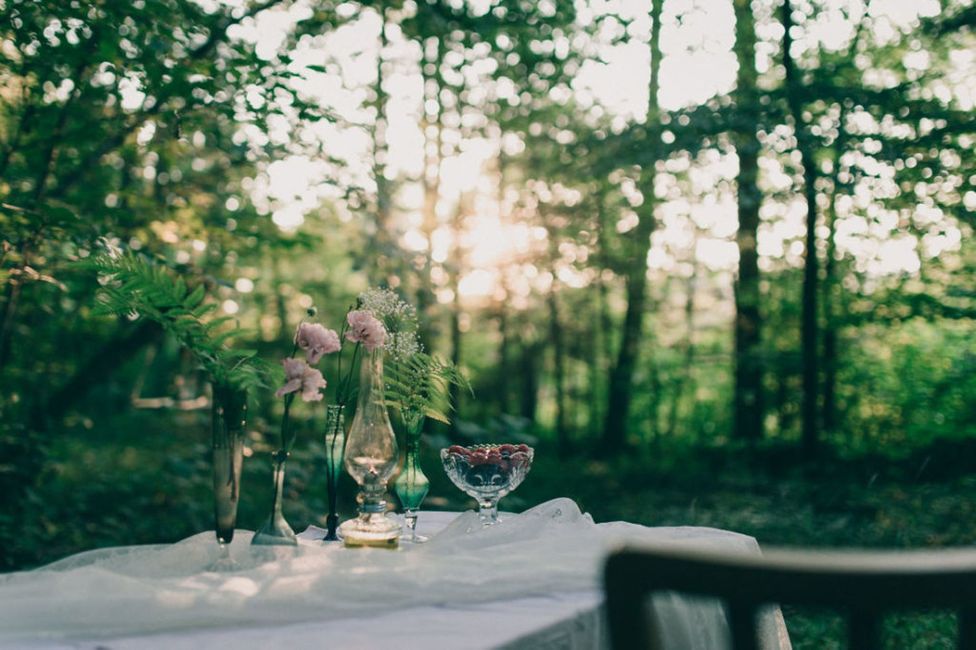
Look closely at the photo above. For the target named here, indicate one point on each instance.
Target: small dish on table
(487, 473)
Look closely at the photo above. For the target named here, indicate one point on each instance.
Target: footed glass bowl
(487, 473)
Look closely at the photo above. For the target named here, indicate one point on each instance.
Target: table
(532, 581)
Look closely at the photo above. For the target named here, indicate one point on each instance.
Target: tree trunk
(603, 342)
(783, 402)
(621, 384)
(381, 267)
(559, 371)
(656, 393)
(455, 391)
(456, 308)
(809, 336)
(504, 371)
(595, 378)
(688, 358)
(529, 376)
(747, 397)
(831, 288)
(830, 327)
(431, 55)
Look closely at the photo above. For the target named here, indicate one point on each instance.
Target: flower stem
(343, 397)
(286, 442)
(294, 347)
(340, 399)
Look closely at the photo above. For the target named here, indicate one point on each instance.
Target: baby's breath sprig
(417, 383)
(396, 314)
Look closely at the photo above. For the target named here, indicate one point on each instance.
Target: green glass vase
(335, 443)
(412, 485)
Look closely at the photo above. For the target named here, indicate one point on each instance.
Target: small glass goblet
(487, 473)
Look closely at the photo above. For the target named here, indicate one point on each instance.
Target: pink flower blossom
(365, 329)
(316, 341)
(299, 376)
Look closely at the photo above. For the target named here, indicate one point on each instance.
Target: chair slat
(967, 629)
(864, 585)
(742, 625)
(864, 630)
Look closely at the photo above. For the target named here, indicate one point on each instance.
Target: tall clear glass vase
(228, 423)
(276, 531)
(370, 458)
(335, 443)
(412, 484)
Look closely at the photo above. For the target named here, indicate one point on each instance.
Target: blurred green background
(713, 258)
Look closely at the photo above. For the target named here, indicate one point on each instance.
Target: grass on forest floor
(828, 504)
(100, 488)
(862, 502)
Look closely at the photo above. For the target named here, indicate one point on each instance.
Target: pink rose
(365, 329)
(299, 376)
(316, 341)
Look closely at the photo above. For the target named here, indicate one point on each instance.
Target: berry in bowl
(487, 473)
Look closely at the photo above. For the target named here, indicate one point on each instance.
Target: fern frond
(132, 285)
(421, 384)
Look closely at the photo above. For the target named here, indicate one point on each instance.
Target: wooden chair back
(861, 585)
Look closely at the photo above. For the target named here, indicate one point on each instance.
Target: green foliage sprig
(132, 285)
(419, 385)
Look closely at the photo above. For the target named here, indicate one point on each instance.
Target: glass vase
(370, 458)
(335, 442)
(412, 484)
(276, 531)
(228, 422)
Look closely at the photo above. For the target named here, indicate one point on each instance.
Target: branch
(95, 370)
(218, 34)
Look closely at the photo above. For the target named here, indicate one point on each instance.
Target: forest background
(713, 257)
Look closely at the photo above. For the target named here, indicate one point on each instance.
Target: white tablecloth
(532, 581)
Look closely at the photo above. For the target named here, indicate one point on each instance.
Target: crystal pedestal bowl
(487, 473)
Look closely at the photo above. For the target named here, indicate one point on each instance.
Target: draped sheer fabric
(552, 548)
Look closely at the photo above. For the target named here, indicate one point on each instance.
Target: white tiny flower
(403, 345)
(386, 305)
